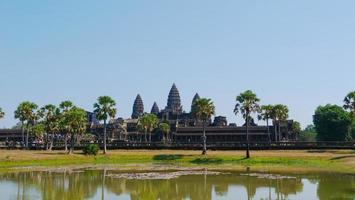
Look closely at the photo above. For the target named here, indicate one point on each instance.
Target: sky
(299, 53)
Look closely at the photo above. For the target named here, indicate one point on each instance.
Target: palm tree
(279, 113)
(147, 123)
(75, 121)
(247, 103)
(165, 129)
(266, 114)
(349, 102)
(2, 113)
(104, 109)
(26, 113)
(51, 121)
(203, 109)
(65, 106)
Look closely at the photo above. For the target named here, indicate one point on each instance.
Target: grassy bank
(273, 161)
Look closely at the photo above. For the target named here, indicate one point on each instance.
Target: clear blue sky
(299, 53)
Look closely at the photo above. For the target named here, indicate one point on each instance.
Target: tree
(247, 103)
(309, 134)
(51, 121)
(279, 113)
(2, 113)
(38, 130)
(332, 123)
(165, 129)
(104, 109)
(266, 114)
(296, 128)
(203, 109)
(349, 102)
(64, 107)
(147, 123)
(75, 121)
(26, 113)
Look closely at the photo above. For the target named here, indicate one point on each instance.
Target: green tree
(38, 130)
(64, 107)
(349, 102)
(296, 128)
(247, 103)
(26, 113)
(332, 123)
(203, 109)
(165, 129)
(147, 123)
(105, 109)
(279, 114)
(51, 120)
(266, 114)
(2, 113)
(309, 134)
(75, 121)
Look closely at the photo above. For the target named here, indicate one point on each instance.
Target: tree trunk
(47, 141)
(51, 143)
(150, 137)
(105, 150)
(66, 142)
(247, 135)
(204, 151)
(27, 137)
(268, 130)
(23, 133)
(72, 143)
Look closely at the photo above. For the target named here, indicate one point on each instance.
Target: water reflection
(95, 185)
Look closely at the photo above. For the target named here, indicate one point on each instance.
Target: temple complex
(186, 129)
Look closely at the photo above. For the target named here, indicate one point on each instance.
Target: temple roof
(196, 97)
(138, 107)
(174, 101)
(155, 109)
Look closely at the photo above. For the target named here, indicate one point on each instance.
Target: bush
(91, 149)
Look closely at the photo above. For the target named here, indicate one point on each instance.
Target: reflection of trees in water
(336, 187)
(84, 185)
(56, 185)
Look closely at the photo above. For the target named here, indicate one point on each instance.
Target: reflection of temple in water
(88, 184)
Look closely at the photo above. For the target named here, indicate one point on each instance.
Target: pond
(170, 185)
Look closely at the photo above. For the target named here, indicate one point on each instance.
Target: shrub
(91, 149)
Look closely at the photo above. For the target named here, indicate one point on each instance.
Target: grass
(342, 161)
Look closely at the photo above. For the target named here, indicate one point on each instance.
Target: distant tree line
(332, 122)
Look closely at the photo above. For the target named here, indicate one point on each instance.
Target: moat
(170, 185)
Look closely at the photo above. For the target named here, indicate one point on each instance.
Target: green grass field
(342, 161)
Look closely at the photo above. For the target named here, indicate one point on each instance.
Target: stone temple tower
(138, 107)
(174, 101)
(155, 109)
(196, 97)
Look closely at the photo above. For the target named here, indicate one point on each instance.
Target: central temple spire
(138, 107)
(174, 101)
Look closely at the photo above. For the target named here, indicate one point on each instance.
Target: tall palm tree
(51, 120)
(349, 102)
(165, 129)
(247, 103)
(203, 109)
(2, 113)
(279, 113)
(65, 106)
(105, 109)
(75, 121)
(266, 114)
(147, 123)
(26, 113)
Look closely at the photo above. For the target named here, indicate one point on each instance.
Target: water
(93, 185)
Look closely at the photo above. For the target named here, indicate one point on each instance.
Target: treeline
(332, 122)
